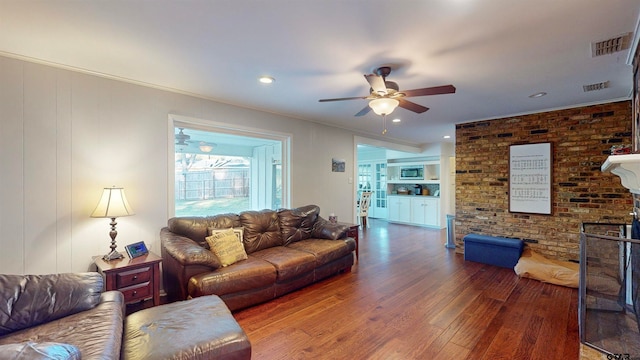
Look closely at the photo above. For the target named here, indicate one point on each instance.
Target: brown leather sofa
(287, 249)
(63, 314)
(67, 316)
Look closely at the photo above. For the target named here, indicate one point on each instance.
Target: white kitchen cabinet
(399, 208)
(425, 211)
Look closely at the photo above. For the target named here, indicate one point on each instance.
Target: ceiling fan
(385, 95)
(182, 138)
(183, 141)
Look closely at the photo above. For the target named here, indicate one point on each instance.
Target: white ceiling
(495, 52)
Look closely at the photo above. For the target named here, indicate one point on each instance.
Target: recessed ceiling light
(266, 79)
(537, 95)
(396, 120)
(447, 137)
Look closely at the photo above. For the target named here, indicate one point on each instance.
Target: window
(217, 170)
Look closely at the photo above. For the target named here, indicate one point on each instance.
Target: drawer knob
(135, 292)
(135, 277)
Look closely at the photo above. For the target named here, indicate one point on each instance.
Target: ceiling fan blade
(436, 90)
(345, 98)
(365, 110)
(417, 108)
(377, 83)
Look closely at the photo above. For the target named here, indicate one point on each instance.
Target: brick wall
(581, 139)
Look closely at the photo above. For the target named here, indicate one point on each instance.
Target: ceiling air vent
(610, 46)
(595, 87)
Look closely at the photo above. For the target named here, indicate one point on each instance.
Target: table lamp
(112, 204)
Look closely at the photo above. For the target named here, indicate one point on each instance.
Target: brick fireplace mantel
(627, 167)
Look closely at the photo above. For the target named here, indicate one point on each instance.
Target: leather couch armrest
(116, 297)
(186, 251)
(323, 229)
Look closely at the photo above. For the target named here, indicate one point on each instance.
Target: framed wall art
(530, 178)
(337, 165)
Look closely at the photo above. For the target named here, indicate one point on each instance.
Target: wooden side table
(353, 233)
(138, 279)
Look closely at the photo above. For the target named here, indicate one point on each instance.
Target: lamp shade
(383, 106)
(112, 204)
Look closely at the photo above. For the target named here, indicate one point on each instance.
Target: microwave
(412, 173)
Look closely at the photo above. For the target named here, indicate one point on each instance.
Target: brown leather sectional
(67, 316)
(43, 315)
(287, 249)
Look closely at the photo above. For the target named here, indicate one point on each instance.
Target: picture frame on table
(136, 249)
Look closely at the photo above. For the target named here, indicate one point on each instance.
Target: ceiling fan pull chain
(384, 123)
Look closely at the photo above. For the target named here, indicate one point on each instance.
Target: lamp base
(113, 255)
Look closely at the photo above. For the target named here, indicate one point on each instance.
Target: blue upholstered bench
(492, 250)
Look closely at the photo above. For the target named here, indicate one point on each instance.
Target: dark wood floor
(409, 297)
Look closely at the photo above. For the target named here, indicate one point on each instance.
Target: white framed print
(530, 178)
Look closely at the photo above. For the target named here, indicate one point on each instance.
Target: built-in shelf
(627, 167)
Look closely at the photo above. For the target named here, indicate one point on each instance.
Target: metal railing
(609, 285)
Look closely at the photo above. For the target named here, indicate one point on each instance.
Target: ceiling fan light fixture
(266, 79)
(383, 106)
(206, 147)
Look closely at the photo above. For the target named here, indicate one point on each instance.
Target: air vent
(595, 87)
(610, 46)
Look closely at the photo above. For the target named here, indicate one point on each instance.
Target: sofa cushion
(197, 228)
(249, 274)
(30, 300)
(42, 351)
(224, 221)
(97, 332)
(261, 230)
(193, 227)
(297, 224)
(227, 246)
(323, 229)
(289, 263)
(324, 250)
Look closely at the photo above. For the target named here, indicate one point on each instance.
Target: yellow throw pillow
(226, 246)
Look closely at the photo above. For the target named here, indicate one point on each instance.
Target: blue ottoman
(492, 250)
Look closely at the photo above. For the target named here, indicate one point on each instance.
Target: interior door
(379, 203)
(364, 178)
(372, 176)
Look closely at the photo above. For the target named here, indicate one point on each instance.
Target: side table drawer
(137, 279)
(137, 292)
(132, 277)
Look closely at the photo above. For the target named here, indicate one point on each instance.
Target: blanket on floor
(535, 266)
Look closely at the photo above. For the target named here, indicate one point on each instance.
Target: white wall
(65, 135)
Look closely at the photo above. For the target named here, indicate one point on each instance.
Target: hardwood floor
(408, 297)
